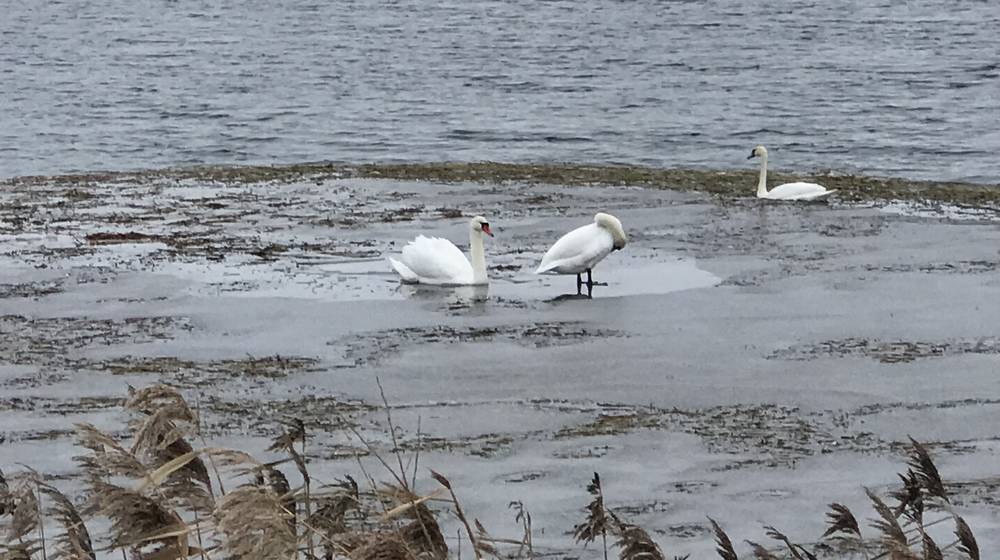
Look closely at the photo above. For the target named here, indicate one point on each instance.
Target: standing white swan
(788, 191)
(581, 249)
(433, 260)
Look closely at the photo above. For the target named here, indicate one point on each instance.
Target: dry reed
(598, 522)
(154, 491)
(761, 553)
(74, 542)
(723, 545)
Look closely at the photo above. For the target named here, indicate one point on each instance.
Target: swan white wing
(577, 251)
(403, 271)
(798, 191)
(433, 260)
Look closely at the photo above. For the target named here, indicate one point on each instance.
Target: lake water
(888, 88)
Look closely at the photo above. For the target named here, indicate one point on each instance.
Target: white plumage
(437, 261)
(433, 260)
(787, 191)
(577, 251)
(581, 249)
(796, 191)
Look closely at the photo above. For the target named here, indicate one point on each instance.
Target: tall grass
(155, 499)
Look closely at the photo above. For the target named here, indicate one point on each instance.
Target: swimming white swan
(581, 249)
(433, 260)
(788, 191)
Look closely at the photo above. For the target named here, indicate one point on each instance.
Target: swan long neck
(762, 182)
(478, 257)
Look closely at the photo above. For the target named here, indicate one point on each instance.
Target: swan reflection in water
(579, 293)
(454, 295)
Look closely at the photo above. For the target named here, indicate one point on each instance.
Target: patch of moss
(273, 367)
(852, 188)
(612, 424)
(77, 194)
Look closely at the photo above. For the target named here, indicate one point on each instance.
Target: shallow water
(757, 400)
(887, 88)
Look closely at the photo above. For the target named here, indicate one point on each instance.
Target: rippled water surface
(889, 88)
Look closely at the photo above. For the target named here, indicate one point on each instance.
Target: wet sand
(752, 361)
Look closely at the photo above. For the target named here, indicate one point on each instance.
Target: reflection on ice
(634, 277)
(629, 278)
(570, 297)
(453, 294)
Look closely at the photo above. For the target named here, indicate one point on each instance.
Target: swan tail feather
(402, 270)
(545, 267)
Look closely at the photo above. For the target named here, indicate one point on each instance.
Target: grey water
(900, 88)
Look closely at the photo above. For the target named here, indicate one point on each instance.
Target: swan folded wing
(436, 261)
(577, 251)
(403, 271)
(798, 191)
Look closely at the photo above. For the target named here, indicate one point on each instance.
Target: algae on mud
(727, 183)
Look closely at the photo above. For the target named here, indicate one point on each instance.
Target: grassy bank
(853, 188)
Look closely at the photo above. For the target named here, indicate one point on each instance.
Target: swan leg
(590, 280)
(579, 283)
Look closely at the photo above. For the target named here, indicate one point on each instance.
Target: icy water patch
(748, 361)
(937, 210)
(891, 351)
(366, 348)
(640, 276)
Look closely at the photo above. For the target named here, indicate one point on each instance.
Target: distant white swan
(581, 249)
(788, 191)
(433, 260)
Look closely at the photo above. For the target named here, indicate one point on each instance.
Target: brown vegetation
(854, 188)
(162, 498)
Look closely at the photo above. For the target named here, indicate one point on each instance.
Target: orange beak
(486, 229)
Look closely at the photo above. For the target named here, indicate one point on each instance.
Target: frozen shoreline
(750, 361)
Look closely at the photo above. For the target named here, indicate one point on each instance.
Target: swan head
(759, 151)
(611, 223)
(480, 225)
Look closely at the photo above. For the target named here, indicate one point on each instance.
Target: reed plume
(843, 524)
(966, 540)
(160, 440)
(74, 542)
(841, 520)
(254, 524)
(893, 536)
(383, 547)
(931, 550)
(723, 545)
(797, 551)
(137, 520)
(330, 521)
(332, 513)
(634, 543)
(23, 507)
(761, 553)
(296, 432)
(598, 522)
(926, 471)
(163, 399)
(6, 498)
(910, 497)
(423, 535)
(107, 457)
